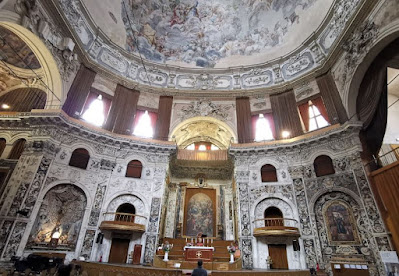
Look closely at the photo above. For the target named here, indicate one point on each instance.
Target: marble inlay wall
(298, 193)
(42, 180)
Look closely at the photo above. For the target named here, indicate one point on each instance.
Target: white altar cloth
(199, 247)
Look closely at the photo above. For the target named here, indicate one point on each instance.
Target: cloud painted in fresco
(202, 32)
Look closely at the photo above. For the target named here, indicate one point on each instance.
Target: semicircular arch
(203, 129)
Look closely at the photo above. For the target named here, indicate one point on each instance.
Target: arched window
(263, 128)
(144, 124)
(3, 144)
(134, 169)
(95, 113)
(80, 158)
(273, 217)
(268, 173)
(17, 149)
(123, 211)
(323, 165)
(23, 100)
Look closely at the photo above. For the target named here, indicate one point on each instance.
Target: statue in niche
(341, 228)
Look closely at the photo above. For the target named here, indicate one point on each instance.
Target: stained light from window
(213, 147)
(95, 113)
(144, 127)
(191, 147)
(202, 148)
(263, 130)
(316, 120)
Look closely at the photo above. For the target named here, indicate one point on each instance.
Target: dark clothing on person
(199, 271)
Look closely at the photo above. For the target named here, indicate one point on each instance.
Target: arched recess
(48, 72)
(341, 220)
(262, 206)
(351, 91)
(133, 200)
(62, 210)
(203, 129)
(125, 208)
(24, 99)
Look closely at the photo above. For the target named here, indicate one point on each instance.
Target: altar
(195, 253)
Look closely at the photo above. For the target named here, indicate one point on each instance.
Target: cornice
(313, 57)
(55, 123)
(308, 140)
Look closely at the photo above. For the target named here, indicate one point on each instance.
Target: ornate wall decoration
(302, 205)
(36, 185)
(154, 215)
(247, 255)
(205, 107)
(365, 248)
(4, 233)
(96, 209)
(87, 244)
(15, 239)
(266, 190)
(62, 210)
(150, 247)
(245, 225)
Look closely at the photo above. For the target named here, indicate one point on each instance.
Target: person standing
(199, 271)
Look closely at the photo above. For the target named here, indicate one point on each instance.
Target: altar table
(195, 253)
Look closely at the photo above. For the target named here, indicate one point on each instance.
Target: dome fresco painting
(205, 33)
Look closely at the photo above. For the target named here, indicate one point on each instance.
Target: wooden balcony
(277, 227)
(198, 155)
(123, 222)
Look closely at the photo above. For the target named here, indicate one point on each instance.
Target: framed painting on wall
(340, 224)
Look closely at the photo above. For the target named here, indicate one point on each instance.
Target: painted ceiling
(209, 33)
(16, 52)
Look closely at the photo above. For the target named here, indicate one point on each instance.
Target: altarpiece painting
(200, 215)
(341, 227)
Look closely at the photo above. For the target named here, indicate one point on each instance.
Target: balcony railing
(276, 227)
(198, 155)
(123, 222)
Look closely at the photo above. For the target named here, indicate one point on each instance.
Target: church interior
(259, 136)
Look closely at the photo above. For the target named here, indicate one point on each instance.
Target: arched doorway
(120, 242)
(277, 252)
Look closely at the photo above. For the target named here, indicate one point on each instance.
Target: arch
(203, 129)
(130, 199)
(17, 149)
(322, 192)
(268, 173)
(3, 143)
(351, 90)
(273, 216)
(80, 158)
(273, 212)
(286, 209)
(24, 99)
(125, 208)
(63, 209)
(49, 69)
(134, 169)
(323, 165)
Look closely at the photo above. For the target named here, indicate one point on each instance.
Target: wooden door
(119, 251)
(278, 253)
(137, 254)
